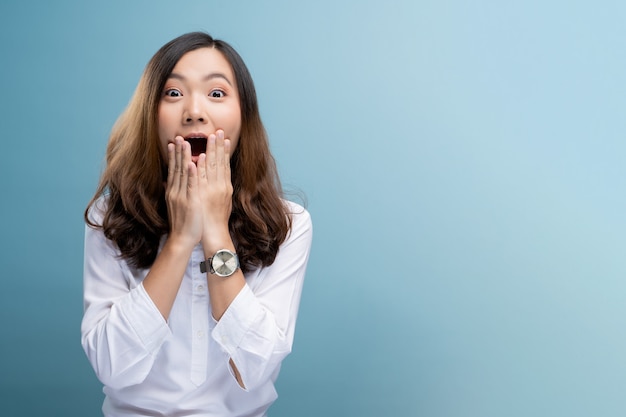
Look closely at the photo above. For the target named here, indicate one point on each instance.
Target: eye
(217, 94)
(172, 92)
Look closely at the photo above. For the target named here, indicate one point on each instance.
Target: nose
(195, 110)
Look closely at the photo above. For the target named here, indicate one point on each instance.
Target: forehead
(203, 61)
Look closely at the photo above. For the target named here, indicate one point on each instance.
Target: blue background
(463, 162)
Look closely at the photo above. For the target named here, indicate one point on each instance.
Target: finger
(202, 167)
(211, 156)
(227, 145)
(175, 164)
(171, 162)
(184, 164)
(220, 155)
(192, 178)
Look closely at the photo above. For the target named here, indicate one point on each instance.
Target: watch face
(224, 263)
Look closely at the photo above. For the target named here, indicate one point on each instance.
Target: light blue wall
(463, 163)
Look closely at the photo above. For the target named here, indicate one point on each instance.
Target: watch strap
(203, 266)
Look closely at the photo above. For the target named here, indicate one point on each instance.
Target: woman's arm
(124, 324)
(185, 219)
(256, 331)
(254, 328)
(122, 329)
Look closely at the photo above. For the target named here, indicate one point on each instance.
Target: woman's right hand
(185, 216)
(183, 203)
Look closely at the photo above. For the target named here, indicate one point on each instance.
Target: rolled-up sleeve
(257, 329)
(122, 330)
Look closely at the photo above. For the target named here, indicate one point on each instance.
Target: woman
(194, 264)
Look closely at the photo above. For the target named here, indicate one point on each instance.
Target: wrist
(212, 242)
(176, 244)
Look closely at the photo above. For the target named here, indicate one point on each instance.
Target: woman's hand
(184, 206)
(216, 192)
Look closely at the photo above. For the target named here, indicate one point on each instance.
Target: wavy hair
(135, 217)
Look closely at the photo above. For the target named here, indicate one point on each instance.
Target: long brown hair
(136, 218)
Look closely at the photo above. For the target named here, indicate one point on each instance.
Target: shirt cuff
(145, 318)
(237, 320)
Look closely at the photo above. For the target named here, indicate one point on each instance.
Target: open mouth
(198, 145)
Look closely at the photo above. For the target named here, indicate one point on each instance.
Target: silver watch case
(223, 264)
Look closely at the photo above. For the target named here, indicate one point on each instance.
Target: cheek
(234, 126)
(165, 126)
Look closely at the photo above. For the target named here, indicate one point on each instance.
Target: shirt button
(200, 334)
(200, 287)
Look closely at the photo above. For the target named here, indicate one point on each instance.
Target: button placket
(199, 320)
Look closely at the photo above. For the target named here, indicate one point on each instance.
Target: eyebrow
(206, 77)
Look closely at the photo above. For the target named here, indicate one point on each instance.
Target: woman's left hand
(216, 191)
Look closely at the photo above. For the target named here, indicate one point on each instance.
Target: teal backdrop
(463, 162)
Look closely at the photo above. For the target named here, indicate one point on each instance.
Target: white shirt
(179, 367)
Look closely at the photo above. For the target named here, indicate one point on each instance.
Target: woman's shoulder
(300, 217)
(97, 209)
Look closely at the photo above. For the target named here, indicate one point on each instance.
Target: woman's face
(200, 97)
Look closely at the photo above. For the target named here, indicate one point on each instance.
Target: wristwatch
(223, 264)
